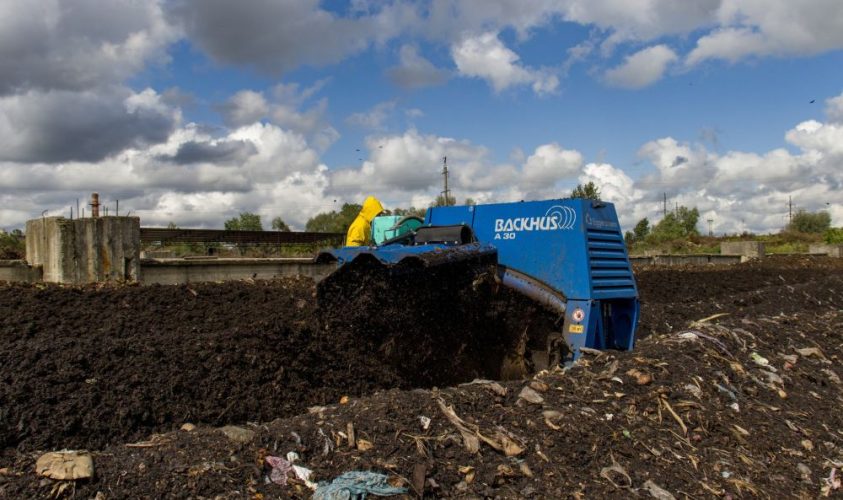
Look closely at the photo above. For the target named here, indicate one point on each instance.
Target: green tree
(417, 212)
(470, 202)
(441, 201)
(834, 235)
(246, 221)
(589, 191)
(680, 223)
(278, 224)
(333, 221)
(810, 222)
(641, 230)
(12, 245)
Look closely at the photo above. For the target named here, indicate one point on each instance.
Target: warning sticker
(576, 328)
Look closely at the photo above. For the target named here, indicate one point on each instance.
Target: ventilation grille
(611, 274)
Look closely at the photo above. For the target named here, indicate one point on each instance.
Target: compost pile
(734, 391)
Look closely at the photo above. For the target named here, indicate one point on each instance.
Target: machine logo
(566, 217)
(557, 217)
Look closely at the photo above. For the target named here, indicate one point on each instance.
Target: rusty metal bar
(95, 205)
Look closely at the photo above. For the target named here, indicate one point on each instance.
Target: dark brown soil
(97, 368)
(82, 368)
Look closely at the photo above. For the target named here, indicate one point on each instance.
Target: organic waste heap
(744, 403)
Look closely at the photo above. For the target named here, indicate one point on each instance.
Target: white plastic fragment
(303, 473)
(694, 390)
(759, 359)
(424, 422)
(530, 395)
(658, 492)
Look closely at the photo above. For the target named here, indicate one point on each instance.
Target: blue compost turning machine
(566, 254)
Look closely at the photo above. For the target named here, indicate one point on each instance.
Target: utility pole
(664, 210)
(447, 192)
(790, 209)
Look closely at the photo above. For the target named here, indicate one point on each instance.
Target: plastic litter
(759, 359)
(356, 485)
(280, 469)
(424, 422)
(658, 492)
(303, 473)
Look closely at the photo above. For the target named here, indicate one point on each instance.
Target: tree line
(677, 224)
(337, 221)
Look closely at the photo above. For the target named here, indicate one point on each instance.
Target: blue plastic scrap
(355, 485)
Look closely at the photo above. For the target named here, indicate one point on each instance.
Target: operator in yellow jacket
(360, 231)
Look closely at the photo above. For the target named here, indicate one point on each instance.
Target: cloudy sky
(191, 111)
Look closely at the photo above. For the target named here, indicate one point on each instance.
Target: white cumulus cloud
(485, 56)
(414, 71)
(643, 68)
(373, 118)
(549, 164)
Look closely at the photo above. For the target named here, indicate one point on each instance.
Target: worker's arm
(357, 233)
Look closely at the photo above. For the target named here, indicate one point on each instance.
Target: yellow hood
(371, 208)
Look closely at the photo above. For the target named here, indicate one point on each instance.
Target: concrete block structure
(748, 249)
(825, 249)
(16, 271)
(86, 250)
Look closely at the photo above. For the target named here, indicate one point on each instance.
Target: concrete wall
(84, 250)
(17, 271)
(177, 271)
(745, 248)
(44, 239)
(825, 249)
(686, 260)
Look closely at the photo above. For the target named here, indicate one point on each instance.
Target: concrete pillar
(84, 250)
(750, 249)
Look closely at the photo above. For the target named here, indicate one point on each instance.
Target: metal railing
(166, 236)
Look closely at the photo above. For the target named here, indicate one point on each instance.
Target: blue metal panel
(575, 247)
(559, 242)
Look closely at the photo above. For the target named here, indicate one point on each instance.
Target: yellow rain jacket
(360, 231)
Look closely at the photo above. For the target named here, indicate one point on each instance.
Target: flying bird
(812, 101)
